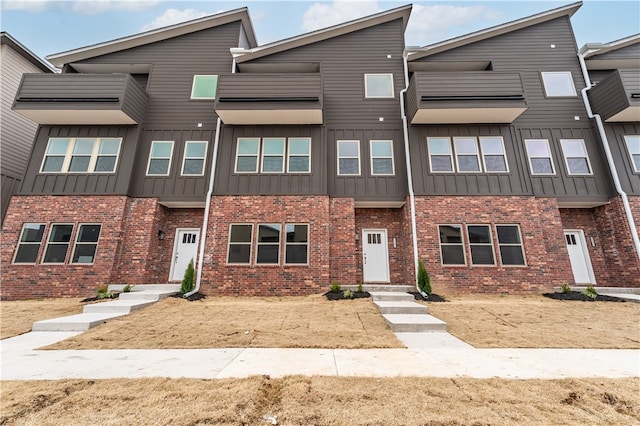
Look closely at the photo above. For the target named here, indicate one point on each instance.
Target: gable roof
(595, 49)
(6, 38)
(497, 30)
(403, 12)
(152, 36)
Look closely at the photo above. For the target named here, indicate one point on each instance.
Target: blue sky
(52, 26)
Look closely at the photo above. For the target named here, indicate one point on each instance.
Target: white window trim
(521, 245)
(393, 162)
(289, 155)
(586, 153)
(627, 145)
(257, 155)
(359, 155)
(258, 244)
(286, 243)
(92, 160)
(544, 84)
(193, 86)
(489, 244)
(250, 243)
(76, 243)
(550, 157)
(204, 159)
(462, 243)
(482, 154)
(46, 246)
(15, 254)
(455, 151)
(160, 158)
(263, 155)
(366, 94)
(451, 155)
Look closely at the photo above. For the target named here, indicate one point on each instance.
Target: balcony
(617, 97)
(263, 99)
(465, 97)
(81, 99)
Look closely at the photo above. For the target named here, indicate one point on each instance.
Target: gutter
(412, 199)
(607, 150)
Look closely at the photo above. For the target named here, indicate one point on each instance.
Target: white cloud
(430, 24)
(95, 7)
(322, 15)
(174, 16)
(26, 5)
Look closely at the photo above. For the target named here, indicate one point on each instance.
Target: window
(81, 155)
(273, 155)
(575, 156)
(247, 155)
(467, 156)
(297, 243)
(633, 146)
(348, 157)
(510, 243)
(539, 154)
(86, 243)
(378, 85)
(480, 244)
(195, 153)
(268, 244)
(160, 158)
(29, 244)
(240, 244)
(494, 157)
(204, 87)
(382, 158)
(58, 243)
(451, 248)
(440, 154)
(558, 84)
(299, 155)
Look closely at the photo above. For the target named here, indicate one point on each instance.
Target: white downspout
(412, 199)
(607, 150)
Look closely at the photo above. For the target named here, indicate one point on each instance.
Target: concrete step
(116, 306)
(388, 296)
(400, 307)
(152, 295)
(80, 322)
(412, 323)
(146, 287)
(381, 287)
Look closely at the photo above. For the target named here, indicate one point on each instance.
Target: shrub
(127, 288)
(335, 287)
(590, 292)
(347, 294)
(424, 283)
(103, 292)
(565, 288)
(187, 281)
(360, 290)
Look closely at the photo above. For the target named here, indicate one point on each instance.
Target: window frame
(366, 90)
(521, 245)
(204, 98)
(632, 154)
(461, 243)
(338, 157)
(545, 87)
(250, 244)
(392, 157)
(451, 155)
(204, 158)
(256, 155)
(270, 243)
(20, 243)
(550, 157)
(48, 243)
(93, 157)
(287, 244)
(489, 244)
(160, 158)
(484, 155)
(477, 154)
(289, 155)
(282, 155)
(76, 243)
(586, 157)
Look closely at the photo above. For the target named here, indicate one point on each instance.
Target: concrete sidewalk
(21, 361)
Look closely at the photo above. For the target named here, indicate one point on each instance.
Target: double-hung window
(86, 243)
(480, 244)
(382, 158)
(81, 155)
(451, 245)
(58, 243)
(348, 158)
(268, 244)
(467, 155)
(299, 155)
(378, 85)
(204, 87)
(510, 243)
(160, 158)
(273, 150)
(240, 244)
(575, 156)
(539, 154)
(494, 157)
(29, 244)
(440, 154)
(297, 243)
(558, 84)
(247, 155)
(633, 146)
(195, 153)
(268, 251)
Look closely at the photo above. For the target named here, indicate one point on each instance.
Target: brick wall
(343, 255)
(541, 228)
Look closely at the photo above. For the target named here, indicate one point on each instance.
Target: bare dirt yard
(17, 317)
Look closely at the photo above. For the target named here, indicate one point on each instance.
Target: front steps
(99, 313)
(403, 314)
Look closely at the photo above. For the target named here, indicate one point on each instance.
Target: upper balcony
(465, 97)
(81, 99)
(617, 97)
(274, 98)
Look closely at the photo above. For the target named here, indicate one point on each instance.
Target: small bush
(187, 281)
(590, 292)
(347, 294)
(360, 290)
(127, 288)
(103, 292)
(335, 287)
(424, 283)
(565, 288)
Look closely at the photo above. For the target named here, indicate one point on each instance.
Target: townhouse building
(338, 154)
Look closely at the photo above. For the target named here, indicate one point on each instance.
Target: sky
(52, 26)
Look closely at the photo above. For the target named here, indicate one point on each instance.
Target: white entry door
(184, 249)
(375, 257)
(579, 256)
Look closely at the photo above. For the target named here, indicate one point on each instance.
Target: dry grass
(322, 401)
(540, 322)
(225, 322)
(16, 317)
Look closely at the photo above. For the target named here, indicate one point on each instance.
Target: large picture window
(539, 154)
(29, 244)
(633, 146)
(195, 153)
(58, 243)
(451, 245)
(382, 158)
(348, 158)
(297, 243)
(160, 158)
(86, 243)
(575, 156)
(81, 155)
(240, 244)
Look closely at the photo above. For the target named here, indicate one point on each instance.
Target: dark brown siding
(9, 186)
(629, 52)
(613, 94)
(629, 179)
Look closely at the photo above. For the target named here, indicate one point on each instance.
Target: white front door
(579, 256)
(375, 257)
(184, 249)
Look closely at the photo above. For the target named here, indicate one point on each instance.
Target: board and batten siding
(629, 179)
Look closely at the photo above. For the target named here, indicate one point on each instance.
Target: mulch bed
(193, 297)
(96, 298)
(576, 295)
(330, 295)
(432, 297)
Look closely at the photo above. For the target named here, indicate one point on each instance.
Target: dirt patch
(17, 317)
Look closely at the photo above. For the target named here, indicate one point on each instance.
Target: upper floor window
(204, 87)
(440, 154)
(348, 157)
(382, 158)
(195, 153)
(539, 155)
(247, 154)
(29, 244)
(299, 155)
(378, 85)
(468, 151)
(467, 156)
(558, 84)
(160, 158)
(273, 155)
(81, 155)
(494, 157)
(575, 156)
(633, 146)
